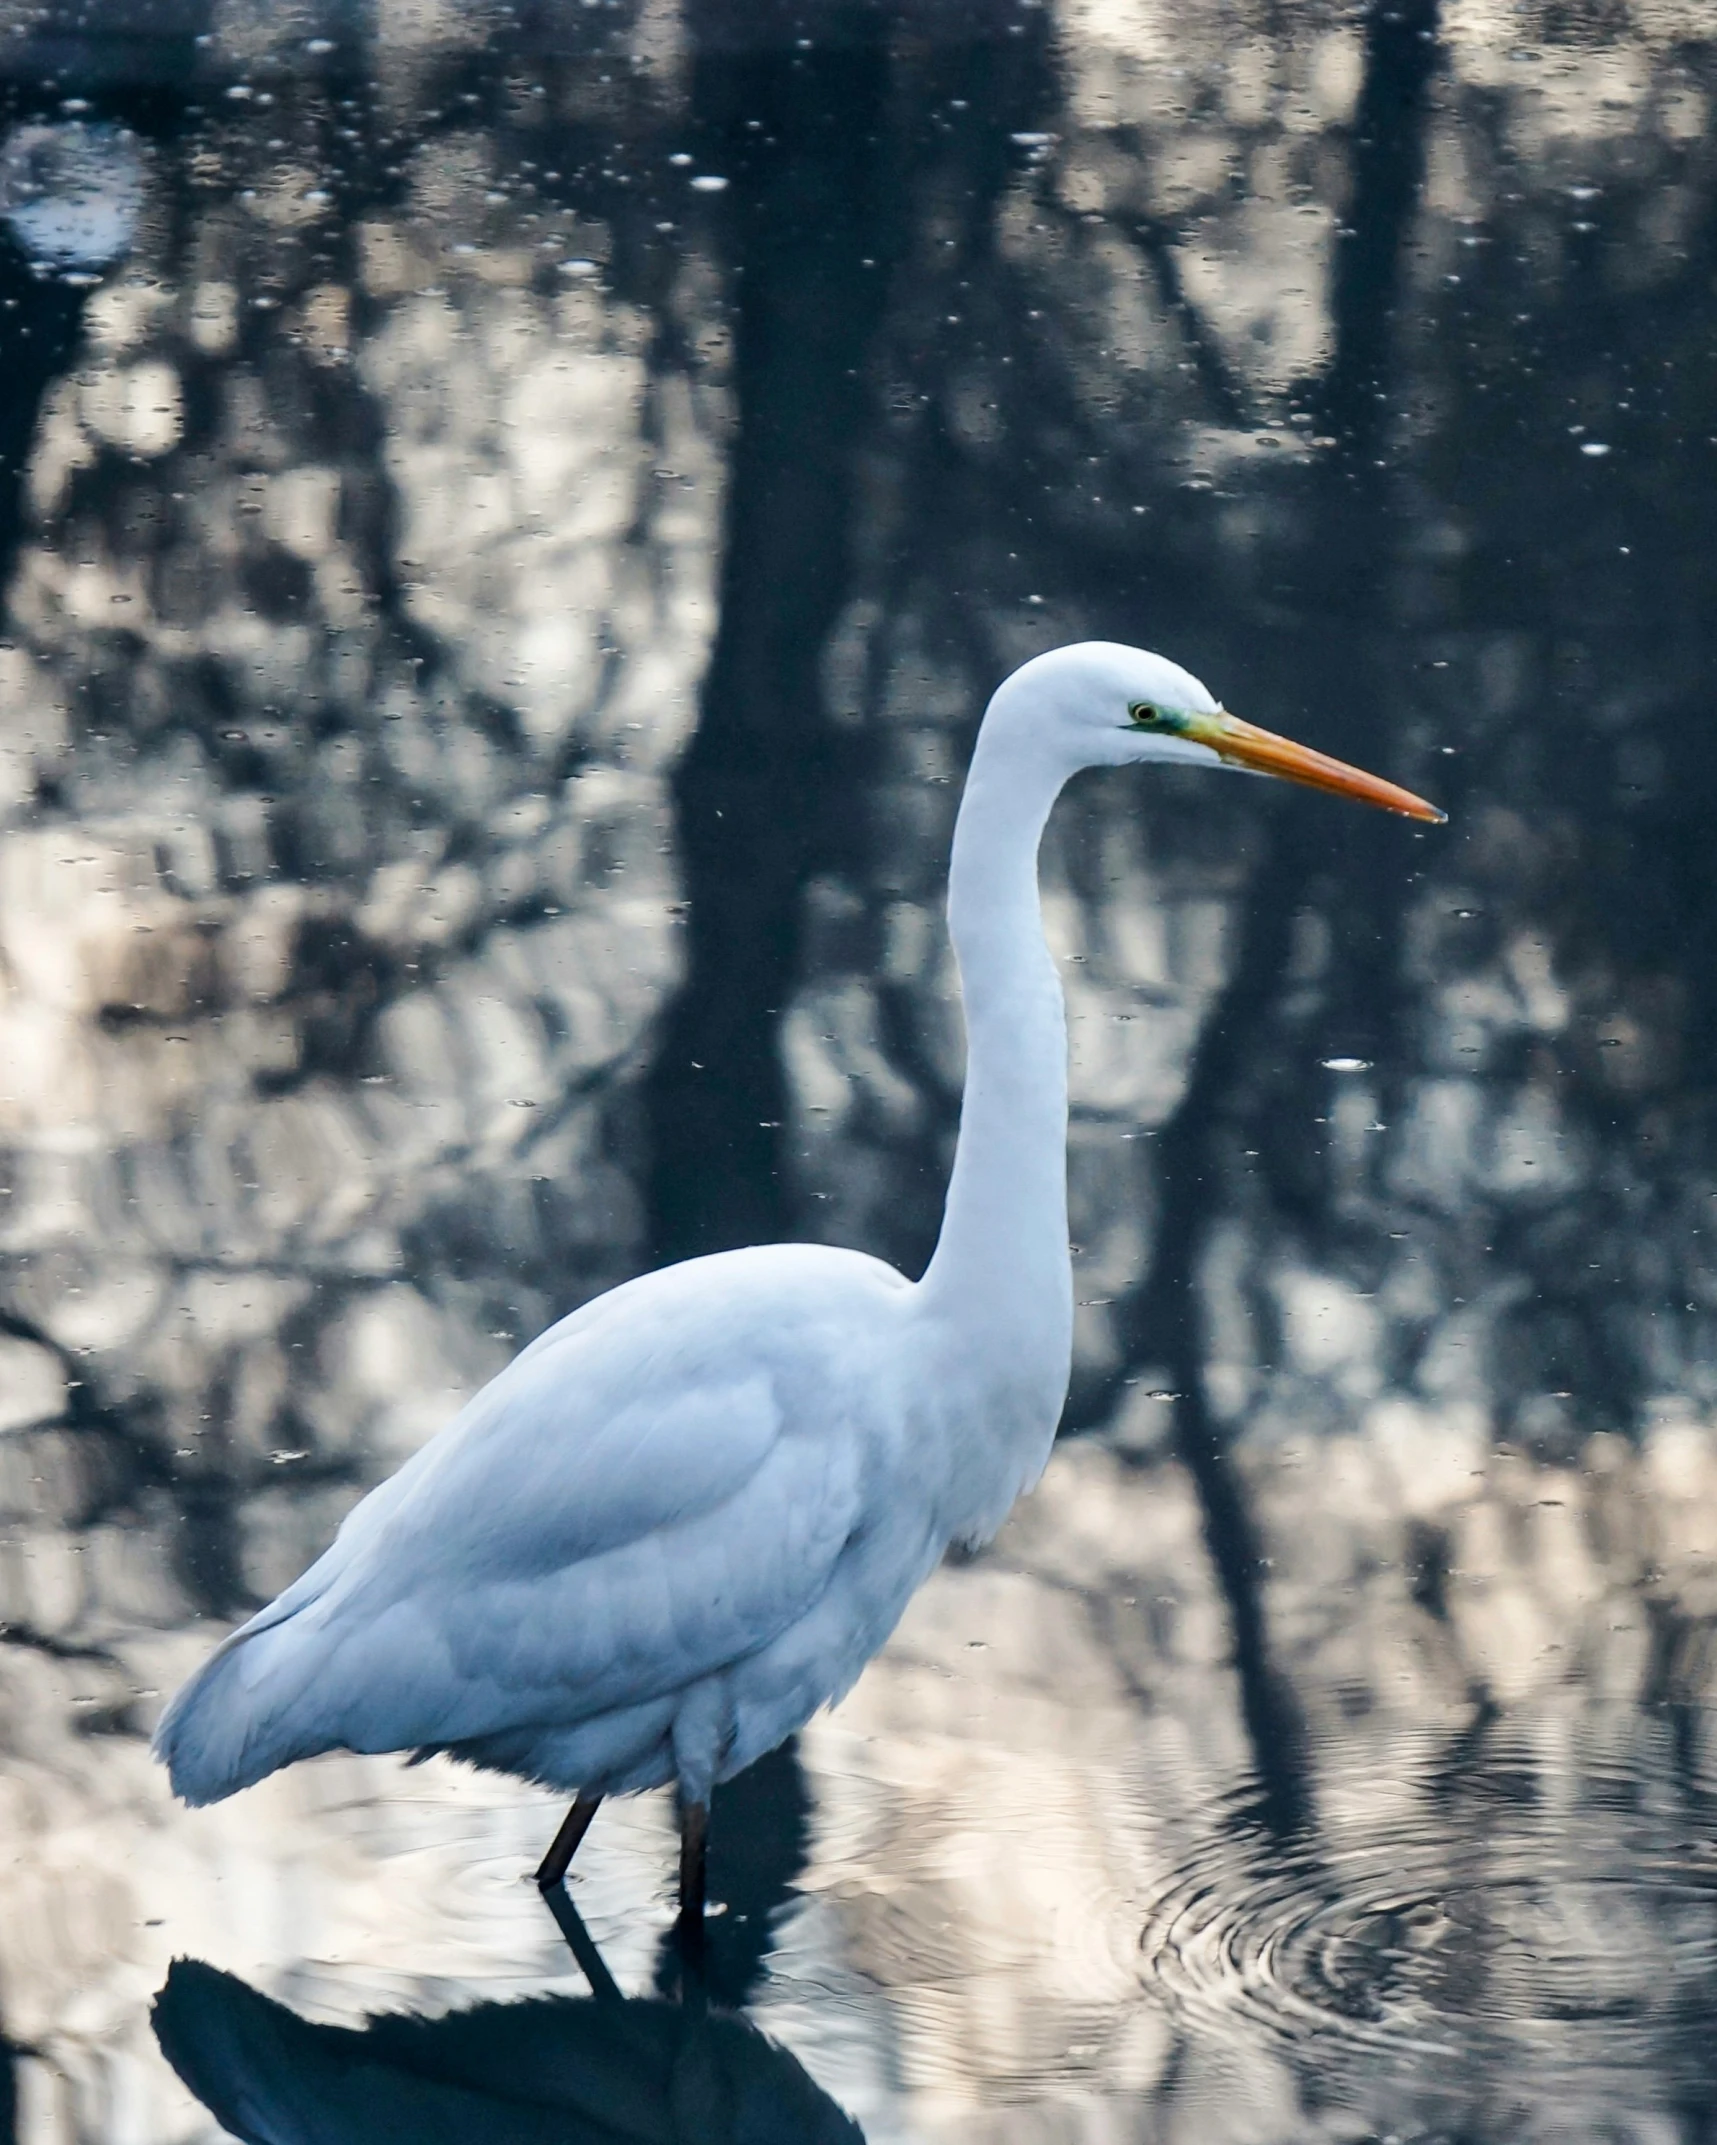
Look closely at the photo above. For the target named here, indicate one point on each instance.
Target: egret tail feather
(238, 1719)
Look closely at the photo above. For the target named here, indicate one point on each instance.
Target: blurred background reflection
(509, 516)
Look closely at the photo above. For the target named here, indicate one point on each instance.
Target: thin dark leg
(694, 1843)
(558, 1860)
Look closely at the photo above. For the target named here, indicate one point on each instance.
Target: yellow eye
(1145, 714)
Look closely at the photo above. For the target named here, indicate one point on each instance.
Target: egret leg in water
(685, 1517)
(551, 1882)
(555, 1864)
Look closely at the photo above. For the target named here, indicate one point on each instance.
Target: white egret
(685, 1517)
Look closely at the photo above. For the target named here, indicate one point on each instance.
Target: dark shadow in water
(117, 51)
(1386, 172)
(560, 2071)
(41, 317)
(1170, 1327)
(760, 1837)
(799, 136)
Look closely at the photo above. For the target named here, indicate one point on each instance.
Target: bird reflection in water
(598, 2070)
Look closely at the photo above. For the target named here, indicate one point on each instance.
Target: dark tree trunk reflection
(41, 317)
(1351, 540)
(1385, 173)
(798, 134)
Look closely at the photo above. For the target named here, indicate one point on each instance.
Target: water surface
(510, 517)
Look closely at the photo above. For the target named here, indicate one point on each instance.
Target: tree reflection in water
(406, 623)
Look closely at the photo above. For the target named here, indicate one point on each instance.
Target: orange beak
(1240, 744)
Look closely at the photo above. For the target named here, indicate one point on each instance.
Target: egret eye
(1145, 714)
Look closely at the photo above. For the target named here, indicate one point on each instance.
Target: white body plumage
(686, 1517)
(647, 1551)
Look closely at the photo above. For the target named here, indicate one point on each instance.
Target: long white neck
(1001, 1278)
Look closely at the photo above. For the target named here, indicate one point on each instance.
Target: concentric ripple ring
(1507, 1910)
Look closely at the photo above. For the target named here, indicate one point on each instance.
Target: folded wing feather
(617, 1513)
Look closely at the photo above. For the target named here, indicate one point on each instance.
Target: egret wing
(612, 1517)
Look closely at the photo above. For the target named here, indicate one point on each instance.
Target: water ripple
(1548, 1905)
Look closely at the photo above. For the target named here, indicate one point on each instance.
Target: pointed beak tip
(1242, 744)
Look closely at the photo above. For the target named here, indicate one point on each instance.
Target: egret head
(1099, 704)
